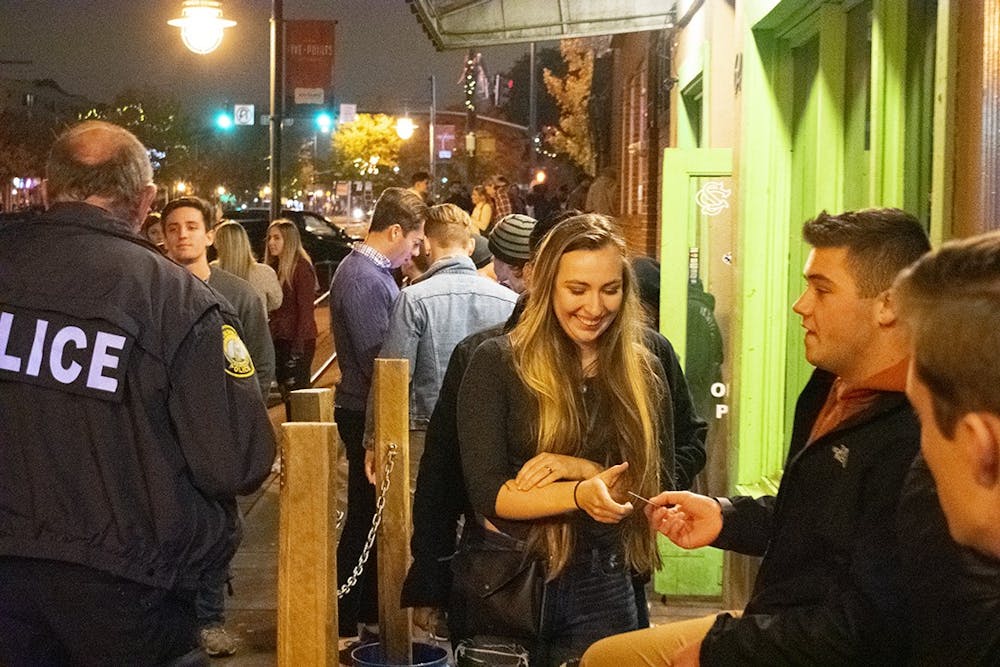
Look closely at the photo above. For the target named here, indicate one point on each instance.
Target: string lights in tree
(469, 82)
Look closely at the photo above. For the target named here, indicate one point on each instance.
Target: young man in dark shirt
(188, 232)
(951, 301)
(827, 591)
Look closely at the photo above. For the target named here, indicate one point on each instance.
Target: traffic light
(324, 121)
(224, 120)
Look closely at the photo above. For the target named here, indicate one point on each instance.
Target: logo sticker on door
(713, 198)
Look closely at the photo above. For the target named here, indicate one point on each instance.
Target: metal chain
(376, 521)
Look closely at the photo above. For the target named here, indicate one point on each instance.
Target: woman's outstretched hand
(543, 469)
(594, 496)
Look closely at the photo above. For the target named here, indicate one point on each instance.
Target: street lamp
(405, 127)
(202, 18)
(201, 25)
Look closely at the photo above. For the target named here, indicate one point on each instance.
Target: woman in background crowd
(293, 325)
(152, 230)
(558, 420)
(232, 245)
(482, 211)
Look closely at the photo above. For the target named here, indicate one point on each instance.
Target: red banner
(309, 60)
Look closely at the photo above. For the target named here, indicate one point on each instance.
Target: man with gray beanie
(509, 243)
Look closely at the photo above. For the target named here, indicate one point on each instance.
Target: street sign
(243, 114)
(348, 113)
(309, 60)
(309, 96)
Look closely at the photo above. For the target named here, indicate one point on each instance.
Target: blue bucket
(424, 655)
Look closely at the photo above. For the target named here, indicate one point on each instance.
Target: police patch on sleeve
(238, 361)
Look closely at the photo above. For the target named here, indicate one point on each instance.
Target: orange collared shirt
(845, 401)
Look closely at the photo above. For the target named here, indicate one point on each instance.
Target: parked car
(325, 242)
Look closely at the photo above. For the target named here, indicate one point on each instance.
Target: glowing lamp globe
(201, 25)
(405, 128)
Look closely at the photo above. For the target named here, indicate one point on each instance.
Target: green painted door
(698, 295)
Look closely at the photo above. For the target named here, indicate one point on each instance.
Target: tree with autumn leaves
(573, 136)
(367, 149)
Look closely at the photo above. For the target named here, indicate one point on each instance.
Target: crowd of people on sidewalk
(553, 434)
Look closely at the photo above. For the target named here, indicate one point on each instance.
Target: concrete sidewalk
(251, 614)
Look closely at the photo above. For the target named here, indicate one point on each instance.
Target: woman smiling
(558, 421)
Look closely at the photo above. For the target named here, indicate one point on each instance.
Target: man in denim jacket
(429, 318)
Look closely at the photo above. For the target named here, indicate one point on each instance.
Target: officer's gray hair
(96, 158)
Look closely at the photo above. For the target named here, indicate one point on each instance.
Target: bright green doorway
(698, 297)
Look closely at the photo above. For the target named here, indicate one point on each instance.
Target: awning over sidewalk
(459, 24)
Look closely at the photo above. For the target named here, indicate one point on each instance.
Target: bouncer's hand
(693, 521)
(543, 469)
(594, 496)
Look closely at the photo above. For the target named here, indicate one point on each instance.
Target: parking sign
(243, 114)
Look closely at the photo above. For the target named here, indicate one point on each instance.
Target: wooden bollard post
(392, 426)
(312, 405)
(307, 549)
(316, 405)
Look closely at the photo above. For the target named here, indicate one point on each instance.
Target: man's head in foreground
(846, 309)
(104, 165)
(950, 300)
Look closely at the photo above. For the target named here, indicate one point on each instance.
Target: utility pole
(277, 102)
(532, 110)
(432, 153)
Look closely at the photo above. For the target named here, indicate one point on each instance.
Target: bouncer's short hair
(398, 206)
(951, 301)
(880, 243)
(96, 158)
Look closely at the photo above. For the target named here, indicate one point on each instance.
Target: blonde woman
(482, 212)
(293, 325)
(558, 420)
(234, 255)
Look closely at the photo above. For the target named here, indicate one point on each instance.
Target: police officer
(128, 422)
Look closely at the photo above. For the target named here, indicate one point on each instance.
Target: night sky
(382, 60)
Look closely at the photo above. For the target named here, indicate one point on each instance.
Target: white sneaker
(217, 641)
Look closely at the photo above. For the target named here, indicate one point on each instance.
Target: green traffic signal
(224, 121)
(324, 121)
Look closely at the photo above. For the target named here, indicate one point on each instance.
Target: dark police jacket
(130, 417)
(828, 590)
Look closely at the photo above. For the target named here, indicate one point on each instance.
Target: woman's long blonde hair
(548, 361)
(232, 246)
(291, 250)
